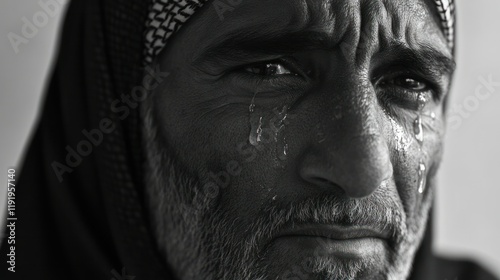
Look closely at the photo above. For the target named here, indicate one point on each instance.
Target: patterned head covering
(167, 16)
(446, 10)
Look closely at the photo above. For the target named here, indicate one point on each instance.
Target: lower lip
(342, 248)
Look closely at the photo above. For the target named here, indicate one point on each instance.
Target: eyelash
(391, 93)
(287, 62)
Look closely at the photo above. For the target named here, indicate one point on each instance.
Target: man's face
(299, 139)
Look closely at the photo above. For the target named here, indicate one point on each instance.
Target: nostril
(321, 181)
(324, 183)
(317, 176)
(356, 170)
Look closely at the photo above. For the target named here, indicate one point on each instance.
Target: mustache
(382, 211)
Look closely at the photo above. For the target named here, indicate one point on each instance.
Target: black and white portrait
(250, 139)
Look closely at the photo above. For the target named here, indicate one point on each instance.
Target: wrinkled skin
(352, 157)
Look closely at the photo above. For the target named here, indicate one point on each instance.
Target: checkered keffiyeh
(164, 19)
(446, 10)
(167, 16)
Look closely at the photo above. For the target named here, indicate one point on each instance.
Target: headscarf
(93, 223)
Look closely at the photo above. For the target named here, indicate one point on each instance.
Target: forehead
(411, 23)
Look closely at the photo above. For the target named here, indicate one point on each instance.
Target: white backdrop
(468, 203)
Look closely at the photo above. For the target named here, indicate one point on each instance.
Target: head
(297, 139)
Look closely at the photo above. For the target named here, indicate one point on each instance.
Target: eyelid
(433, 86)
(395, 82)
(286, 61)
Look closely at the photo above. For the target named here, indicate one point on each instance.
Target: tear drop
(255, 131)
(255, 123)
(418, 130)
(281, 115)
(251, 108)
(282, 148)
(402, 139)
(280, 133)
(421, 101)
(259, 130)
(421, 177)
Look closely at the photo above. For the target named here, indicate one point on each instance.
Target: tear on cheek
(402, 140)
(269, 129)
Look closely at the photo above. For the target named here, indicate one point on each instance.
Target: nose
(354, 157)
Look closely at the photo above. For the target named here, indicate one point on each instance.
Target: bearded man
(295, 139)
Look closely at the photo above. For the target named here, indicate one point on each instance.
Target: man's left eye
(270, 69)
(408, 83)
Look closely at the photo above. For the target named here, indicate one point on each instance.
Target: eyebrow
(426, 60)
(245, 44)
(260, 40)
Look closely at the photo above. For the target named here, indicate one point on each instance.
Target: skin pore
(289, 138)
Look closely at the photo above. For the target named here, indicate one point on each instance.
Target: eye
(407, 83)
(406, 91)
(270, 69)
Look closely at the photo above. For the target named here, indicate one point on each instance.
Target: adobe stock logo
(121, 107)
(458, 113)
(31, 26)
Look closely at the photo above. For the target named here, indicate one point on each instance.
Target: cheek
(433, 145)
(407, 162)
(209, 132)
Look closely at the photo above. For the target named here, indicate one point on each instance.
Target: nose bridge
(357, 100)
(361, 144)
(360, 110)
(355, 153)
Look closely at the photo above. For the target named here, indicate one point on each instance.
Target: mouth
(334, 240)
(335, 232)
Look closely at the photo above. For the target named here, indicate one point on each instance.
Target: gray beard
(198, 240)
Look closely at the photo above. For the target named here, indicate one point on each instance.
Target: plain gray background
(468, 203)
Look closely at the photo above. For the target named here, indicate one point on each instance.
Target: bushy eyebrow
(261, 40)
(427, 58)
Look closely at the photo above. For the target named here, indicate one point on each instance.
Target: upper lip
(335, 232)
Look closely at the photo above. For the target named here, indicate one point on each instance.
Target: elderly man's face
(299, 139)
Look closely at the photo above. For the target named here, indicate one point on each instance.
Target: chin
(324, 259)
(330, 269)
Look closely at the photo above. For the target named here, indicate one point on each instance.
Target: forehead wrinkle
(296, 17)
(359, 27)
(408, 20)
(318, 17)
(246, 19)
(360, 24)
(396, 20)
(325, 19)
(385, 23)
